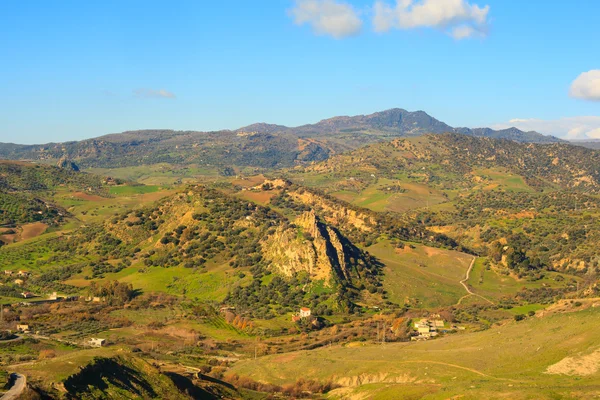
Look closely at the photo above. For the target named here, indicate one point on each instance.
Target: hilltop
(396, 122)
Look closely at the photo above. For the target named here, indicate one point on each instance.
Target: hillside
(546, 357)
(531, 207)
(259, 145)
(452, 161)
(25, 191)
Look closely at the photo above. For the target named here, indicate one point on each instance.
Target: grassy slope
(428, 274)
(417, 194)
(492, 285)
(468, 364)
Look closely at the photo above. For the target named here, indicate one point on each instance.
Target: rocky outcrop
(65, 163)
(337, 214)
(310, 246)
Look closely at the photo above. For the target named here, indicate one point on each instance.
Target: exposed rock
(65, 163)
(312, 247)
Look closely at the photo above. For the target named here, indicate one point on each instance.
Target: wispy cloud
(152, 93)
(566, 127)
(327, 17)
(587, 86)
(458, 18)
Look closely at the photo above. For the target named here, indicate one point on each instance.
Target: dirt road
(469, 291)
(17, 388)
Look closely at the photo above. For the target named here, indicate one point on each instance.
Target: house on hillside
(8, 272)
(426, 329)
(18, 282)
(23, 328)
(27, 295)
(97, 342)
(304, 312)
(23, 274)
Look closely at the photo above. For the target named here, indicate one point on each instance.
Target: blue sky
(72, 70)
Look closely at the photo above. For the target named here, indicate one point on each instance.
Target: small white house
(304, 312)
(97, 342)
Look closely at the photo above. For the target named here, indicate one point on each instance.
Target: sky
(71, 70)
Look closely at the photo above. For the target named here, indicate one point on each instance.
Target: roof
(305, 309)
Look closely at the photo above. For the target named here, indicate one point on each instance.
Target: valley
(196, 278)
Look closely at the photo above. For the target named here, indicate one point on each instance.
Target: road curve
(17, 388)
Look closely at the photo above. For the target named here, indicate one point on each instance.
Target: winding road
(469, 291)
(17, 388)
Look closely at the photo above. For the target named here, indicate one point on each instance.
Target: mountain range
(258, 145)
(396, 122)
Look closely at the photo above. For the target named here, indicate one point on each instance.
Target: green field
(429, 275)
(159, 174)
(493, 285)
(130, 190)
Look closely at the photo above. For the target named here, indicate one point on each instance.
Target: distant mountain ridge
(399, 122)
(258, 145)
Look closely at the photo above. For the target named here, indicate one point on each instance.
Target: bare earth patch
(285, 358)
(33, 230)
(581, 365)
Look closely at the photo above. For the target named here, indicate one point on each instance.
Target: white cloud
(566, 127)
(458, 18)
(327, 17)
(587, 86)
(151, 93)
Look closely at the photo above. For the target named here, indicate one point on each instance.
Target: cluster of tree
(26, 177)
(114, 291)
(99, 268)
(57, 274)
(265, 301)
(239, 322)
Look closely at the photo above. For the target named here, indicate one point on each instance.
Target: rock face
(313, 247)
(65, 163)
(337, 214)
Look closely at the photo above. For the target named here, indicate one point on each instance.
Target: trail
(17, 388)
(472, 370)
(469, 291)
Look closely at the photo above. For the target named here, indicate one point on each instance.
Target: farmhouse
(27, 295)
(426, 329)
(304, 312)
(23, 328)
(97, 342)
(8, 272)
(23, 274)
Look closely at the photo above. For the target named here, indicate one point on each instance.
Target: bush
(519, 317)
(46, 354)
